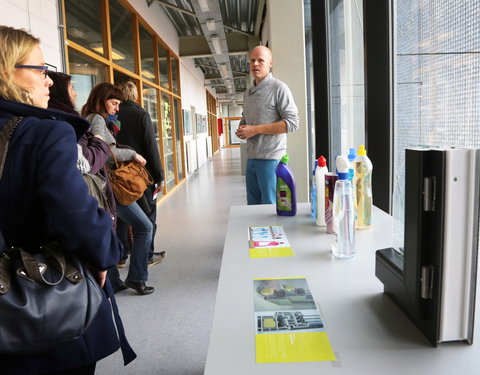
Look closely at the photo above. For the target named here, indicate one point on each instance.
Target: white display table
(367, 331)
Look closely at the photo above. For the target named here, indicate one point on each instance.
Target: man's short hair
(129, 90)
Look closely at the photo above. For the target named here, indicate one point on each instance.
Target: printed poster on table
(288, 326)
(269, 241)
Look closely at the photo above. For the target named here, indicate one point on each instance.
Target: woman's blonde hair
(16, 46)
(129, 90)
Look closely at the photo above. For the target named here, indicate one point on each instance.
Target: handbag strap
(114, 158)
(5, 135)
(5, 261)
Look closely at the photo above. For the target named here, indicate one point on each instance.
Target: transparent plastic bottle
(320, 173)
(343, 245)
(363, 189)
(313, 194)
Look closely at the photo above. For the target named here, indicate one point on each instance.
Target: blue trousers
(261, 181)
(143, 229)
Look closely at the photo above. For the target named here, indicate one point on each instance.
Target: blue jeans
(143, 229)
(261, 181)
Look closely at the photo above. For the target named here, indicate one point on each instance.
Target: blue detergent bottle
(286, 194)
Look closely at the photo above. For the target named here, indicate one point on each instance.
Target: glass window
(84, 24)
(150, 105)
(178, 137)
(86, 73)
(119, 77)
(437, 89)
(121, 32)
(167, 131)
(146, 54)
(175, 85)
(346, 87)
(163, 63)
(232, 128)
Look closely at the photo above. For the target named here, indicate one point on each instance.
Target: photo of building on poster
(285, 305)
(268, 241)
(288, 326)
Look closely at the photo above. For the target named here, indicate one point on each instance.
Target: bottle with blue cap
(343, 245)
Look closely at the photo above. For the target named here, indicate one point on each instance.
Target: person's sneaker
(122, 263)
(157, 258)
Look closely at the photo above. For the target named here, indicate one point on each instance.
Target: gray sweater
(269, 101)
(99, 127)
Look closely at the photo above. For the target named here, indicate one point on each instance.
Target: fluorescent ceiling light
(116, 54)
(211, 26)
(204, 5)
(216, 44)
(224, 69)
(147, 74)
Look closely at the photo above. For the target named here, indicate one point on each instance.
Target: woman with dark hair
(43, 198)
(62, 93)
(101, 110)
(93, 152)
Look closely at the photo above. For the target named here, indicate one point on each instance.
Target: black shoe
(157, 258)
(120, 288)
(140, 287)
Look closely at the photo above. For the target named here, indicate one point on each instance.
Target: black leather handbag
(47, 296)
(47, 299)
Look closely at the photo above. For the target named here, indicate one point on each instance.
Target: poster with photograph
(267, 242)
(187, 122)
(288, 326)
(201, 124)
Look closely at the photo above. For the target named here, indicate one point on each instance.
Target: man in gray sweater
(269, 112)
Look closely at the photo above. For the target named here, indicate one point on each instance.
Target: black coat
(137, 132)
(43, 198)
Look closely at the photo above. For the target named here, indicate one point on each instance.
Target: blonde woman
(44, 198)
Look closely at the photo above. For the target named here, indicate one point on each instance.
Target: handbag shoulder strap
(5, 135)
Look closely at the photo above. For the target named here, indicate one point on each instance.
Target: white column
(286, 38)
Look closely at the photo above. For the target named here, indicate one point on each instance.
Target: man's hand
(246, 131)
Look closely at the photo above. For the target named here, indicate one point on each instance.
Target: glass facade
(346, 75)
(167, 130)
(147, 55)
(437, 90)
(87, 27)
(84, 24)
(86, 73)
(163, 66)
(122, 36)
(150, 105)
(175, 77)
(178, 136)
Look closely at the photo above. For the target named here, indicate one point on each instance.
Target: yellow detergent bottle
(363, 189)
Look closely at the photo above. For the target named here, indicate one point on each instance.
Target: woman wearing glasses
(44, 198)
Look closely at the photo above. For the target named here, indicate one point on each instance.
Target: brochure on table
(288, 326)
(268, 241)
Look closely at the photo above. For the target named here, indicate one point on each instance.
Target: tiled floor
(170, 329)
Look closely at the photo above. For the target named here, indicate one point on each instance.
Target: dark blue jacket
(42, 198)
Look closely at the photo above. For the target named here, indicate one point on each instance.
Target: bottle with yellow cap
(363, 189)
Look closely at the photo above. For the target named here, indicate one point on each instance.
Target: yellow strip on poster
(268, 242)
(294, 347)
(269, 252)
(288, 325)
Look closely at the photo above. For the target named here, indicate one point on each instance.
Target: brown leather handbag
(129, 181)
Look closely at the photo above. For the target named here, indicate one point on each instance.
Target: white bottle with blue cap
(343, 245)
